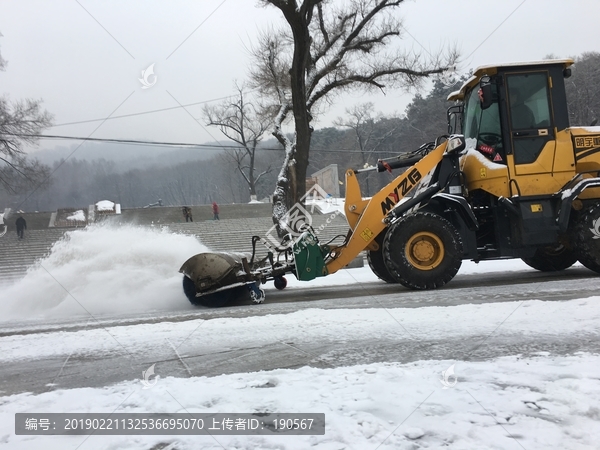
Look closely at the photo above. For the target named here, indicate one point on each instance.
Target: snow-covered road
(524, 346)
(528, 376)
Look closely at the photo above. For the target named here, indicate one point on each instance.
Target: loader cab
(512, 114)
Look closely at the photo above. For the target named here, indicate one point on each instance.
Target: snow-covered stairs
(17, 255)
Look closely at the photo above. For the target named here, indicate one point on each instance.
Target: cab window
(528, 100)
(529, 111)
(482, 125)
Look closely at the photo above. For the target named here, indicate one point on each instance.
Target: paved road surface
(92, 370)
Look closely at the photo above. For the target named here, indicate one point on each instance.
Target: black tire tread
(547, 260)
(376, 261)
(402, 270)
(587, 245)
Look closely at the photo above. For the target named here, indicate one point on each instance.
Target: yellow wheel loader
(511, 179)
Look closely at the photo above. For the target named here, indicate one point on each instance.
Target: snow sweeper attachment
(215, 279)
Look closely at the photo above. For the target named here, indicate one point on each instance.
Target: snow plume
(104, 270)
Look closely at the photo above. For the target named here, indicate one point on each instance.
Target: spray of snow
(103, 270)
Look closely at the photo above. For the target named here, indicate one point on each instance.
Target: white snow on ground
(78, 215)
(543, 402)
(539, 402)
(365, 275)
(327, 205)
(320, 326)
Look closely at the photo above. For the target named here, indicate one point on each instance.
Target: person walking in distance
(215, 211)
(21, 227)
(187, 213)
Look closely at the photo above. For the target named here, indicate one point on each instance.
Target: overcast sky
(84, 58)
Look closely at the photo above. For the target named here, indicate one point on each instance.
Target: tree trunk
(251, 181)
(300, 62)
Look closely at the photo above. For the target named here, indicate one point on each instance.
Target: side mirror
(485, 92)
(456, 144)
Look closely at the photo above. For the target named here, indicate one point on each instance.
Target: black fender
(567, 197)
(461, 206)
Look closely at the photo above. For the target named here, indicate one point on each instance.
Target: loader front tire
(423, 251)
(586, 237)
(552, 259)
(377, 262)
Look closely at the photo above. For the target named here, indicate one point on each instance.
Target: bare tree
(241, 122)
(362, 120)
(20, 122)
(327, 48)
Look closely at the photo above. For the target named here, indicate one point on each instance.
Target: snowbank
(533, 403)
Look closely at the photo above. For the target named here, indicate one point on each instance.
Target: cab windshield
(481, 125)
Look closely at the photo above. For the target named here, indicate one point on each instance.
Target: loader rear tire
(552, 259)
(586, 237)
(377, 262)
(423, 251)
(216, 300)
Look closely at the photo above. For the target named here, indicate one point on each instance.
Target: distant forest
(196, 177)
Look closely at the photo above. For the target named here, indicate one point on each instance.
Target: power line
(149, 111)
(496, 29)
(174, 144)
(70, 154)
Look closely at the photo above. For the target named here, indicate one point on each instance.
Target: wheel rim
(425, 250)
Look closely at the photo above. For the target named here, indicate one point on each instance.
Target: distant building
(327, 178)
